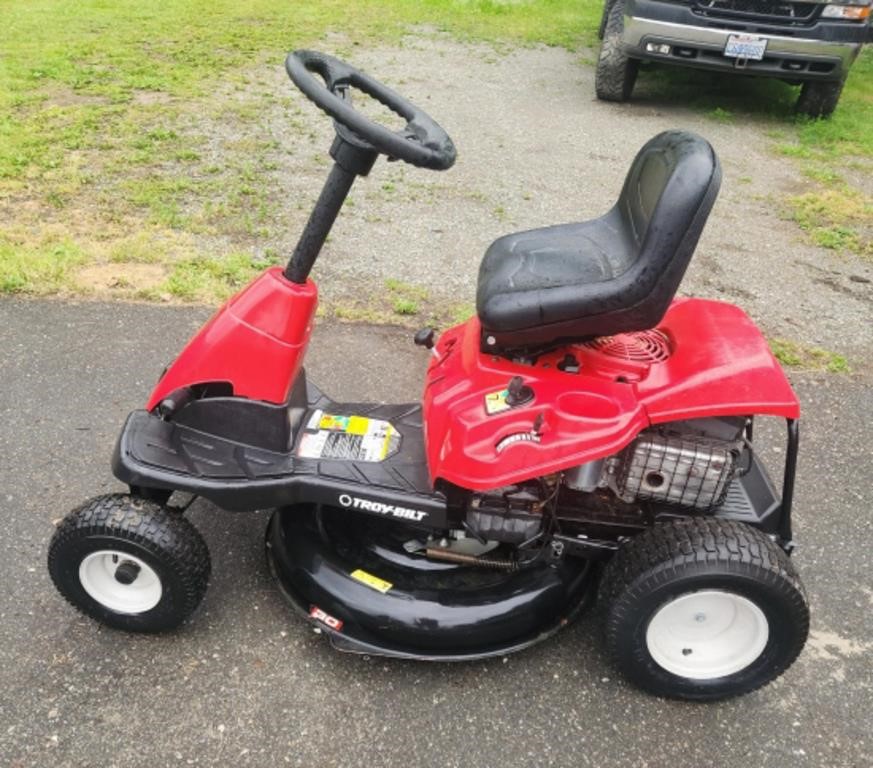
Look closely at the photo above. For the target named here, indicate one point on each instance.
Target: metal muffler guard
(433, 611)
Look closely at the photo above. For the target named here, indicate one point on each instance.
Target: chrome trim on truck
(639, 31)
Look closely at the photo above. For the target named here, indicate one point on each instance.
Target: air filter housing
(690, 465)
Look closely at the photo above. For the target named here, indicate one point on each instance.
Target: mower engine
(511, 515)
(687, 463)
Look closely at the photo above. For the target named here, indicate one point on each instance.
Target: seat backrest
(666, 199)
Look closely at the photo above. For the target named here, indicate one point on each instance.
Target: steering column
(359, 141)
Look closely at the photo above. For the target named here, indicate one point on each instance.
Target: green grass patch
(357, 313)
(402, 304)
(100, 101)
(103, 85)
(161, 196)
(405, 307)
(405, 289)
(849, 131)
(115, 51)
(406, 299)
(460, 313)
(836, 217)
(724, 116)
(204, 278)
(42, 269)
(140, 248)
(795, 355)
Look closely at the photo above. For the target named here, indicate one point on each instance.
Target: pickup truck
(804, 42)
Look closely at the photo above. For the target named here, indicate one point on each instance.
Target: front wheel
(604, 17)
(129, 563)
(703, 609)
(616, 72)
(819, 99)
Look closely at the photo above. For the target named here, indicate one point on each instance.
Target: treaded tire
(819, 99)
(601, 30)
(161, 539)
(616, 72)
(671, 560)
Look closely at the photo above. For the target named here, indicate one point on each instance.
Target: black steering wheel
(422, 142)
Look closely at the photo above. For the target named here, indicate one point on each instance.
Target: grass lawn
(98, 164)
(833, 154)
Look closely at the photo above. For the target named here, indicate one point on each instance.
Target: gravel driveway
(536, 148)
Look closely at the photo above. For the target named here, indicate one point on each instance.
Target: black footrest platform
(360, 456)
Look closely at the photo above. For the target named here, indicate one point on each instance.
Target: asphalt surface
(246, 682)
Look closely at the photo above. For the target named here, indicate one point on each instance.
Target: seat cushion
(609, 275)
(530, 277)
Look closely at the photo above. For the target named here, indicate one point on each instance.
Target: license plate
(745, 47)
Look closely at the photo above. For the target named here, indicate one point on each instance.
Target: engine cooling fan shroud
(651, 346)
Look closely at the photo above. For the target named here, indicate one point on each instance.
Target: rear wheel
(819, 99)
(616, 72)
(129, 563)
(703, 609)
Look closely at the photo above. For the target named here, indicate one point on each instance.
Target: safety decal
(374, 582)
(350, 437)
(325, 618)
(495, 402)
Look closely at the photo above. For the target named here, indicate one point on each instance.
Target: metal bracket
(590, 549)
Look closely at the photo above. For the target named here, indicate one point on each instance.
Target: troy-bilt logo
(325, 618)
(379, 508)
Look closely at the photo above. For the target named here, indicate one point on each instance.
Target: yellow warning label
(347, 438)
(358, 425)
(338, 423)
(386, 443)
(351, 425)
(495, 402)
(374, 582)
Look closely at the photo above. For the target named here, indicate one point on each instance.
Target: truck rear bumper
(789, 57)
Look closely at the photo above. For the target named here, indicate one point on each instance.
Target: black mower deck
(353, 578)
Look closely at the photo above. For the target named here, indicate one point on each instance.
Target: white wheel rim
(99, 576)
(708, 634)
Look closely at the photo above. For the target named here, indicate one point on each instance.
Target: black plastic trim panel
(153, 453)
(751, 498)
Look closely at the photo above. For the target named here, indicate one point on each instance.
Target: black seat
(609, 275)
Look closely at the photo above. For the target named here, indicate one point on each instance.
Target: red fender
(256, 342)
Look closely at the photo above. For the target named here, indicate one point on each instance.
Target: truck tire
(703, 609)
(616, 72)
(603, 18)
(819, 99)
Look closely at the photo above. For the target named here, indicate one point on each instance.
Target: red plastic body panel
(719, 365)
(256, 342)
